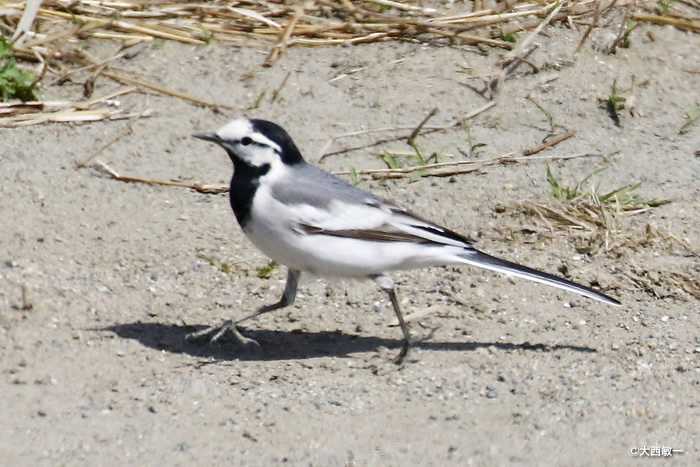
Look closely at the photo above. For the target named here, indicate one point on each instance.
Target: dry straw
(51, 32)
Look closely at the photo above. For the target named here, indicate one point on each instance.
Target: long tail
(477, 258)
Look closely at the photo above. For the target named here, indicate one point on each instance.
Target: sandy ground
(94, 366)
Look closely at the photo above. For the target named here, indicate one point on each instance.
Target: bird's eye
(246, 141)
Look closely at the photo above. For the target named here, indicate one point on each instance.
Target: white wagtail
(312, 221)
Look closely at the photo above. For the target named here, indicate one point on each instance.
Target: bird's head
(255, 143)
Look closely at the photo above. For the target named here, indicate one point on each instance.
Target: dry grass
(52, 33)
(91, 110)
(611, 228)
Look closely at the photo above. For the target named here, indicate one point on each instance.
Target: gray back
(316, 187)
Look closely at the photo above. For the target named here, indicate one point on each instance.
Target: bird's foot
(219, 330)
(401, 357)
(407, 343)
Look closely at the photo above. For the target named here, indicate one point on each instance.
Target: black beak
(213, 137)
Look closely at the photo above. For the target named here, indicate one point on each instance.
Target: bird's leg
(387, 284)
(288, 297)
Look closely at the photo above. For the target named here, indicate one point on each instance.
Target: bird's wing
(376, 220)
(327, 205)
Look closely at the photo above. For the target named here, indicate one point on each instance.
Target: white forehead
(236, 129)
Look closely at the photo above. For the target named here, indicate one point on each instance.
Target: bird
(314, 222)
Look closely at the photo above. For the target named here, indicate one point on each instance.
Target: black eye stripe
(248, 141)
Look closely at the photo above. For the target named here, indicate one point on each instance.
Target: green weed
(220, 265)
(630, 24)
(394, 161)
(623, 196)
(264, 272)
(548, 116)
(258, 101)
(509, 37)
(207, 35)
(665, 5)
(472, 145)
(691, 119)
(353, 176)
(561, 192)
(614, 103)
(14, 82)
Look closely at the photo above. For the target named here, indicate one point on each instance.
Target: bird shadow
(294, 345)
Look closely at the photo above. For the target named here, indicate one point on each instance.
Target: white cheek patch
(257, 156)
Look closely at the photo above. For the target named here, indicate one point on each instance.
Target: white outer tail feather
(482, 260)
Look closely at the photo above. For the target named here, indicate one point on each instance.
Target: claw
(241, 339)
(401, 357)
(219, 331)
